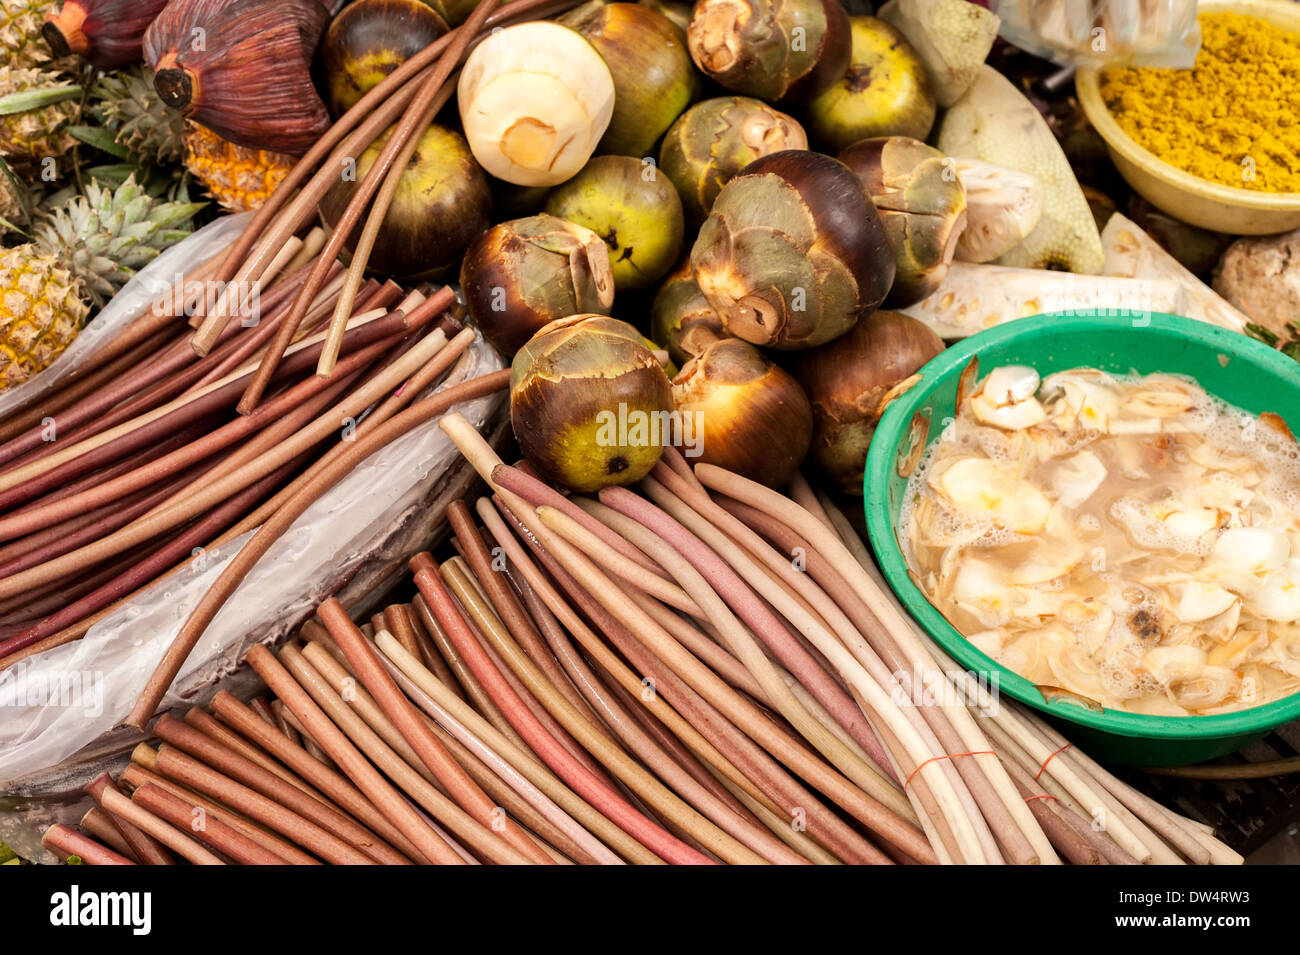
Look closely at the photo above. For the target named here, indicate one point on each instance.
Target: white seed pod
(535, 98)
(1006, 399)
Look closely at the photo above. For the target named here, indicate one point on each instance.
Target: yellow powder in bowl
(1233, 119)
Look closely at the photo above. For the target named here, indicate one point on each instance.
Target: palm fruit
(922, 204)
(21, 43)
(106, 33)
(29, 136)
(84, 252)
(239, 178)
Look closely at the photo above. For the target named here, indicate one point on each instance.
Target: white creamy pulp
(1130, 540)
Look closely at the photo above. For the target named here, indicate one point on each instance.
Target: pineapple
(11, 203)
(83, 252)
(237, 177)
(21, 43)
(30, 136)
(127, 104)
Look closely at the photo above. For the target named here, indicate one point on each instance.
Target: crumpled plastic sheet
(129, 303)
(1104, 33)
(59, 702)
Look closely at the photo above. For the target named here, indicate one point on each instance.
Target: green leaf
(101, 139)
(1260, 333)
(7, 855)
(74, 860)
(29, 100)
(112, 175)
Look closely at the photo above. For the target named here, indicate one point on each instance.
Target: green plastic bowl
(1232, 366)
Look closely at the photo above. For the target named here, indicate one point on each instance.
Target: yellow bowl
(1180, 194)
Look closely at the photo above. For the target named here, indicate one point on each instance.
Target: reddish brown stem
(143, 846)
(330, 782)
(192, 773)
(377, 789)
(207, 829)
(310, 804)
(176, 549)
(65, 843)
(453, 777)
(138, 774)
(283, 519)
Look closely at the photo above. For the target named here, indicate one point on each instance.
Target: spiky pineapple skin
(83, 252)
(239, 178)
(11, 207)
(41, 310)
(29, 138)
(21, 43)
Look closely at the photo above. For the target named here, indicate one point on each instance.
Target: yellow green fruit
(367, 41)
(635, 210)
(884, 92)
(589, 403)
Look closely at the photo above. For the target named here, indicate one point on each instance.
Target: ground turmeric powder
(1232, 119)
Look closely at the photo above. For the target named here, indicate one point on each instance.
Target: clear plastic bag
(60, 702)
(1104, 33)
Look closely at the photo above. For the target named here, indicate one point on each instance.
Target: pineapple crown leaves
(105, 236)
(127, 104)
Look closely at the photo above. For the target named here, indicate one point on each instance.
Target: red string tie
(1043, 768)
(934, 759)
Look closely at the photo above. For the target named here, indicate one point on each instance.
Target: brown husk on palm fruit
(368, 40)
(793, 252)
(714, 140)
(249, 79)
(749, 415)
(523, 274)
(681, 318)
(590, 403)
(884, 92)
(107, 33)
(633, 208)
(442, 203)
(922, 204)
(654, 78)
(851, 380)
(772, 49)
